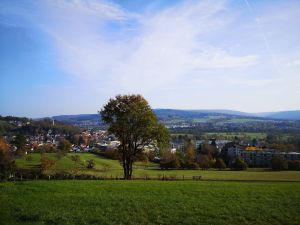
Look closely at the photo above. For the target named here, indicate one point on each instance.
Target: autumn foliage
(7, 162)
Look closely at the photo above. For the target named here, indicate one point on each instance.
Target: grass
(231, 135)
(112, 168)
(207, 119)
(244, 120)
(149, 202)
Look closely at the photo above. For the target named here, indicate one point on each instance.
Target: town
(56, 137)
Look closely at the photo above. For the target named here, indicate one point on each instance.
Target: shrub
(46, 163)
(75, 158)
(279, 163)
(294, 165)
(204, 162)
(112, 153)
(91, 164)
(169, 160)
(240, 164)
(220, 164)
(64, 146)
(29, 158)
(191, 165)
(169, 163)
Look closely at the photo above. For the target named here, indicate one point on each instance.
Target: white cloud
(293, 63)
(193, 54)
(100, 41)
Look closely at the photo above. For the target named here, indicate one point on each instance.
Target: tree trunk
(124, 164)
(127, 162)
(130, 168)
(127, 168)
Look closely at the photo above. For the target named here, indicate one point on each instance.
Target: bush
(204, 162)
(29, 158)
(75, 158)
(169, 161)
(112, 153)
(90, 164)
(46, 163)
(27, 173)
(168, 164)
(279, 163)
(191, 165)
(220, 164)
(64, 146)
(240, 164)
(294, 165)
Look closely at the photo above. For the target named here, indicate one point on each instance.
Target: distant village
(91, 140)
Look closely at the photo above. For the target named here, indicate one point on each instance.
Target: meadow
(149, 202)
(109, 168)
(231, 135)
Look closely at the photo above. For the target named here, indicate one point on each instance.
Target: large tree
(132, 121)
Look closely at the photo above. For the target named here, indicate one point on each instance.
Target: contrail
(264, 37)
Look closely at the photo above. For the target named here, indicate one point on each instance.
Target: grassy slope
(107, 167)
(149, 202)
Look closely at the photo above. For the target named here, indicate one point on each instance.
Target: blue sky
(71, 56)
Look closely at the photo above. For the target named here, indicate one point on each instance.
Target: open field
(112, 168)
(244, 120)
(231, 135)
(149, 202)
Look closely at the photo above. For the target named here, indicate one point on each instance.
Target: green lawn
(112, 168)
(149, 202)
(231, 135)
(244, 120)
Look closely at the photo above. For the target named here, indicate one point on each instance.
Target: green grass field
(112, 168)
(149, 202)
(231, 135)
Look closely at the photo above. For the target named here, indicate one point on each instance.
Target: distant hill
(202, 112)
(169, 114)
(80, 119)
(76, 118)
(11, 125)
(287, 115)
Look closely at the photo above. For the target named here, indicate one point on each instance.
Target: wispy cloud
(173, 55)
(97, 41)
(295, 62)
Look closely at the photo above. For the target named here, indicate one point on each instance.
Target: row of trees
(205, 157)
(16, 125)
(281, 163)
(283, 142)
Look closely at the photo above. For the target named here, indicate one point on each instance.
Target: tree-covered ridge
(195, 121)
(10, 125)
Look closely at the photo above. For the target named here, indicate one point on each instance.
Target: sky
(71, 56)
